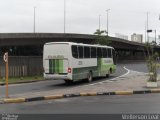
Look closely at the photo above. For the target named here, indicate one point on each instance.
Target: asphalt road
(144, 103)
(140, 66)
(52, 84)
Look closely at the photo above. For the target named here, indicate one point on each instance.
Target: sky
(82, 16)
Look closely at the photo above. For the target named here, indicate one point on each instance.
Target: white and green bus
(76, 61)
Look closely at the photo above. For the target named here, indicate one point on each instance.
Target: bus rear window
(104, 53)
(93, 52)
(99, 52)
(109, 52)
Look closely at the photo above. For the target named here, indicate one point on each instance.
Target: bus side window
(104, 53)
(93, 52)
(109, 52)
(87, 52)
(74, 51)
(80, 51)
(99, 52)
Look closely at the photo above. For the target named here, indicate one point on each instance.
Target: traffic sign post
(5, 57)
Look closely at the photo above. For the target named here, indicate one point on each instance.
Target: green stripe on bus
(56, 66)
(99, 62)
(81, 73)
(50, 66)
(61, 66)
(53, 66)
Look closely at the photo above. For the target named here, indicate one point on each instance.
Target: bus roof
(73, 43)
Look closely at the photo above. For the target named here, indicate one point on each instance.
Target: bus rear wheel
(89, 77)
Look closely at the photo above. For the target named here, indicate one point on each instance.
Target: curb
(60, 96)
(14, 100)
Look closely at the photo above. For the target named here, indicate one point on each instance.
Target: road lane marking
(128, 71)
(138, 71)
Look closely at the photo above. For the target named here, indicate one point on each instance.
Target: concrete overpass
(9, 39)
(20, 43)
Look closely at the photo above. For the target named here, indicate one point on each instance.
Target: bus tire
(68, 82)
(109, 72)
(89, 77)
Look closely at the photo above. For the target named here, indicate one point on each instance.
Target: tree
(151, 62)
(102, 37)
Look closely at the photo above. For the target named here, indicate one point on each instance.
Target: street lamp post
(64, 16)
(155, 37)
(99, 22)
(107, 20)
(147, 28)
(34, 22)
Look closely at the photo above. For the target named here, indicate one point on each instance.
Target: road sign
(5, 57)
(149, 30)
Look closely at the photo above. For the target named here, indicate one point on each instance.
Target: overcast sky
(82, 16)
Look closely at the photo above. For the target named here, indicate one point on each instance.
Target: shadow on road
(81, 82)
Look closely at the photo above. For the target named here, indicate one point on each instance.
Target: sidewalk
(132, 81)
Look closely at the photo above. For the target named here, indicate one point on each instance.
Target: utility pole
(107, 20)
(147, 28)
(99, 22)
(34, 22)
(145, 32)
(64, 16)
(155, 37)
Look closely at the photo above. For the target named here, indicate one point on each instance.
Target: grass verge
(12, 80)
